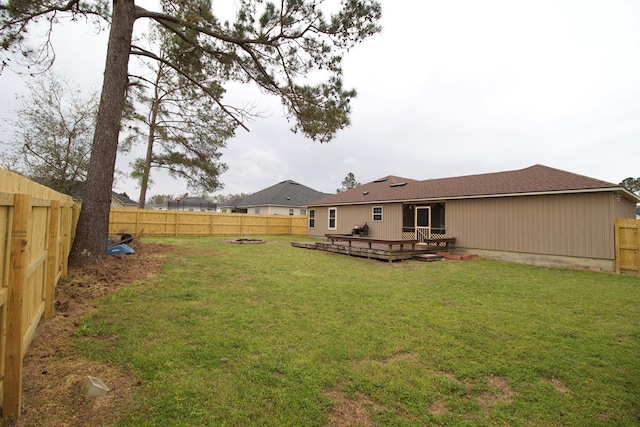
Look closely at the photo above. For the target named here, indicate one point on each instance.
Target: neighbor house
(537, 214)
(118, 200)
(285, 198)
(122, 201)
(194, 204)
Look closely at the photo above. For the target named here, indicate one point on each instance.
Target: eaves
(617, 190)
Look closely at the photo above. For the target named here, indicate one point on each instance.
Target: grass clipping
(53, 375)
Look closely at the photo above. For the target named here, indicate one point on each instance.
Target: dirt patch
(499, 392)
(399, 357)
(557, 384)
(502, 393)
(53, 375)
(348, 412)
(451, 377)
(438, 407)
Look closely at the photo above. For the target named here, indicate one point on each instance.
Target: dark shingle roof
(123, 199)
(285, 193)
(534, 179)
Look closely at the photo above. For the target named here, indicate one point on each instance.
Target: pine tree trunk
(90, 242)
(153, 122)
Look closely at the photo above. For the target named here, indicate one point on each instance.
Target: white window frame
(335, 218)
(374, 214)
(291, 211)
(312, 218)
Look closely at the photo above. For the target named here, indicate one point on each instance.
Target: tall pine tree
(274, 45)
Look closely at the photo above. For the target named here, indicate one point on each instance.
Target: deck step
(456, 257)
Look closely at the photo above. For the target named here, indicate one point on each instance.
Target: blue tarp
(120, 249)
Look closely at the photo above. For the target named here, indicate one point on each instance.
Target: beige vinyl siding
(624, 209)
(578, 225)
(349, 216)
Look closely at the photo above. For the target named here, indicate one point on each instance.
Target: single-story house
(122, 201)
(195, 204)
(538, 214)
(118, 200)
(285, 198)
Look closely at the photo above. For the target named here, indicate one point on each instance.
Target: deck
(384, 249)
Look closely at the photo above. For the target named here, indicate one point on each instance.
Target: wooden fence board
(143, 222)
(12, 382)
(53, 266)
(627, 233)
(37, 226)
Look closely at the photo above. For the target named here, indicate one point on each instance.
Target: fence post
(53, 255)
(70, 221)
(12, 384)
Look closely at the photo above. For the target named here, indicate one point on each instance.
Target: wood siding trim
(577, 225)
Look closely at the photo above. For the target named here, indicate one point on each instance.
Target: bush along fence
(36, 231)
(145, 222)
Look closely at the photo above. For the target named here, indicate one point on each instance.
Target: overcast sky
(449, 88)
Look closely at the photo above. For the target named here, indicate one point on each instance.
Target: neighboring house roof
(191, 202)
(123, 200)
(285, 193)
(155, 205)
(532, 180)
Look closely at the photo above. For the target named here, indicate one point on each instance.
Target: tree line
(53, 133)
(275, 46)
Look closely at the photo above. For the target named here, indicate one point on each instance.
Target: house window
(303, 211)
(290, 211)
(377, 213)
(333, 214)
(312, 218)
(256, 211)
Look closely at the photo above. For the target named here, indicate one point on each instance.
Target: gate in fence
(627, 232)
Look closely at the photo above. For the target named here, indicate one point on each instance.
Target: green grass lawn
(272, 335)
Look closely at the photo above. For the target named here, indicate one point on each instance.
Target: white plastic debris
(94, 387)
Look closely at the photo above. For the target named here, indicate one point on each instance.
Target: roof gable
(121, 198)
(285, 193)
(534, 179)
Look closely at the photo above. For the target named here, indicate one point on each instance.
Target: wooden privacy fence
(36, 231)
(145, 222)
(627, 232)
